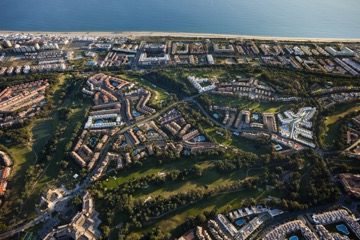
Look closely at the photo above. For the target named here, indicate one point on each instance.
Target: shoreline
(182, 34)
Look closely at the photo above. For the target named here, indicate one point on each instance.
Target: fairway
(219, 203)
(41, 133)
(333, 121)
(272, 107)
(210, 179)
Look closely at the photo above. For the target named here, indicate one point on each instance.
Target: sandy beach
(182, 34)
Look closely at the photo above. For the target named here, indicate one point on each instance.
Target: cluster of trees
(313, 77)
(74, 137)
(239, 161)
(301, 192)
(141, 212)
(341, 140)
(166, 81)
(321, 187)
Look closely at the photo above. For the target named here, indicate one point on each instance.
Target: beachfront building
(145, 60)
(344, 52)
(223, 48)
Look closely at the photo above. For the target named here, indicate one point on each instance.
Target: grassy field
(219, 203)
(333, 122)
(272, 107)
(210, 179)
(237, 141)
(41, 133)
(150, 167)
(23, 157)
(159, 93)
(43, 130)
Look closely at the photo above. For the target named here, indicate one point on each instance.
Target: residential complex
(84, 225)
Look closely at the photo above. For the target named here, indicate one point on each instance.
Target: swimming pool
(285, 128)
(293, 238)
(151, 132)
(115, 84)
(93, 141)
(342, 228)
(240, 222)
(136, 114)
(200, 138)
(123, 144)
(99, 121)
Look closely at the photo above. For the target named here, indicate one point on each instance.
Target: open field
(210, 179)
(150, 167)
(272, 107)
(237, 141)
(41, 133)
(333, 121)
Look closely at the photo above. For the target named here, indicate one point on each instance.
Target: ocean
(281, 18)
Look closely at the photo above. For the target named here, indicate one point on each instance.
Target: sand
(185, 35)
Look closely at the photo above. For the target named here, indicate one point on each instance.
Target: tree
(105, 231)
(201, 218)
(76, 202)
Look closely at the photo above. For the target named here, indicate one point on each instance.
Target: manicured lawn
(333, 121)
(237, 141)
(23, 157)
(210, 179)
(149, 167)
(41, 133)
(272, 107)
(169, 222)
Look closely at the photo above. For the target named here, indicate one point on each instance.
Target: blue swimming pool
(200, 138)
(342, 228)
(294, 238)
(136, 114)
(151, 132)
(123, 144)
(240, 222)
(99, 121)
(285, 128)
(91, 63)
(115, 84)
(93, 141)
(186, 152)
